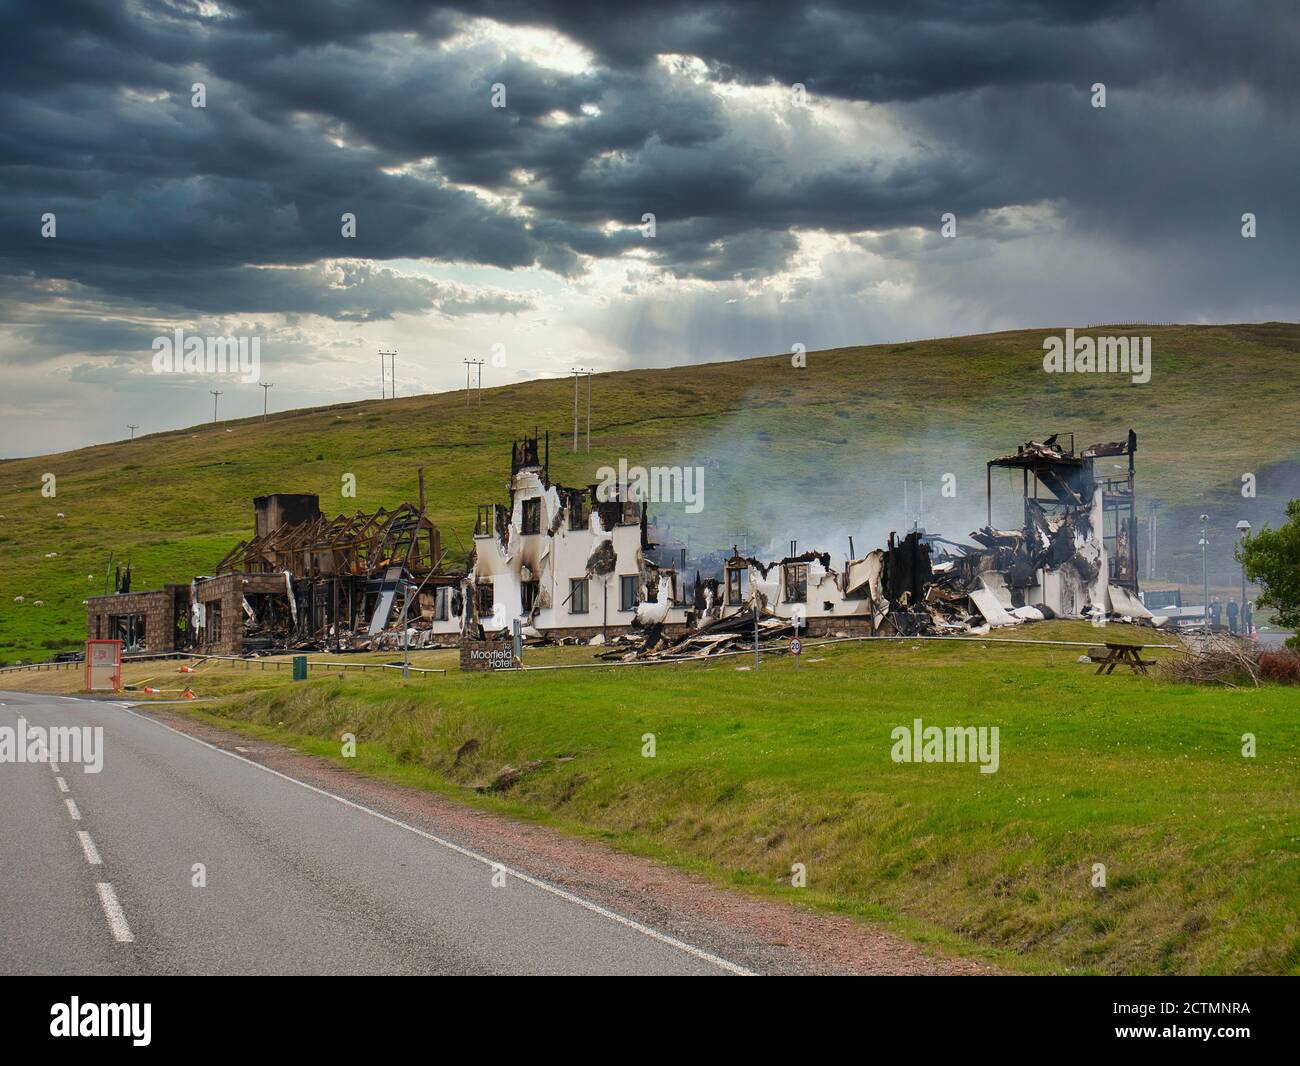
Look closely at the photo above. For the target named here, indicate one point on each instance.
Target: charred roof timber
(525, 454)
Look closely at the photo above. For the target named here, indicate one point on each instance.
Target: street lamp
(1243, 527)
(1205, 568)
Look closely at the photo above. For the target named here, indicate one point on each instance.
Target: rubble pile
(735, 633)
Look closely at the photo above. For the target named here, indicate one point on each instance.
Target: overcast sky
(797, 158)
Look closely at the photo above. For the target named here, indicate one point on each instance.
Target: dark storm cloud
(884, 51)
(317, 109)
(44, 323)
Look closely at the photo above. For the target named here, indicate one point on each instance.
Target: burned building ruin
(580, 564)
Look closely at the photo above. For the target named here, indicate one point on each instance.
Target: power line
(215, 394)
(132, 429)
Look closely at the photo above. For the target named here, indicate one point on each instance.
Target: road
(100, 872)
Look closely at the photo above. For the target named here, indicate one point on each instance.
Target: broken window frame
(128, 628)
(528, 593)
(796, 590)
(735, 586)
(629, 592)
(579, 514)
(484, 597)
(530, 516)
(579, 595)
(485, 525)
(212, 621)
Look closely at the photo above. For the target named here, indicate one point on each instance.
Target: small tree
(1271, 557)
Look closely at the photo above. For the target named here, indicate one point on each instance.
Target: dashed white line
(72, 809)
(595, 908)
(113, 912)
(55, 767)
(63, 785)
(88, 846)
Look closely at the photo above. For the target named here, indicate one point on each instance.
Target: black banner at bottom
(149, 1014)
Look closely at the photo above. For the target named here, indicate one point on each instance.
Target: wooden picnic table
(1129, 655)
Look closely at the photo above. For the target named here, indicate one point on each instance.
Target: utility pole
(387, 358)
(406, 604)
(1152, 507)
(1205, 567)
(589, 373)
(132, 429)
(265, 387)
(742, 537)
(478, 365)
(914, 517)
(215, 394)
(576, 371)
(1243, 527)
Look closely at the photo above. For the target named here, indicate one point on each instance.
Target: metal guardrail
(774, 650)
(80, 664)
(277, 663)
(281, 663)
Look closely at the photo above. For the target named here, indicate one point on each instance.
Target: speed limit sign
(796, 645)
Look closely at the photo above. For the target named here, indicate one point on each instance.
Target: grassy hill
(816, 454)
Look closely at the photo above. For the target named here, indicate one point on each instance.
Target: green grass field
(757, 770)
(785, 451)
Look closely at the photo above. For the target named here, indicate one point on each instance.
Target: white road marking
(113, 912)
(72, 809)
(55, 767)
(555, 890)
(63, 785)
(88, 846)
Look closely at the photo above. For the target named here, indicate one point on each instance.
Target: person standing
(1246, 618)
(1216, 612)
(1232, 617)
